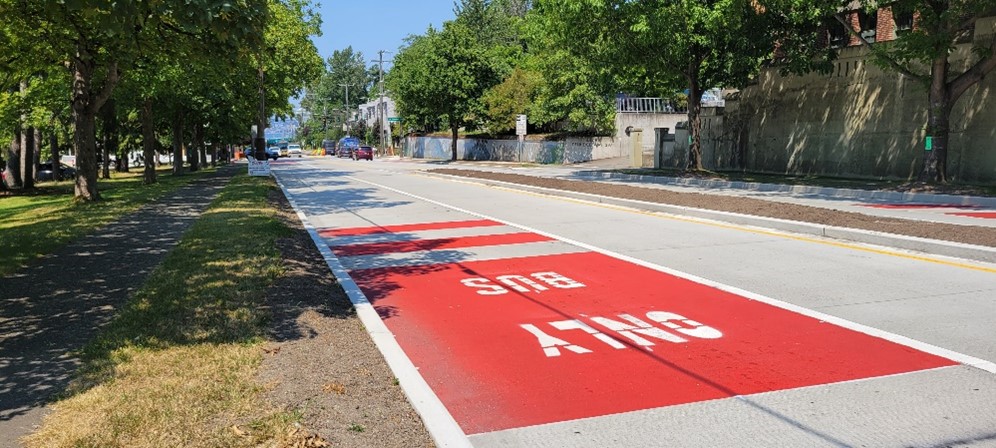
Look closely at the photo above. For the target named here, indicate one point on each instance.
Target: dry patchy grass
(177, 367)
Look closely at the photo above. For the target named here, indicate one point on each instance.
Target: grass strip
(36, 224)
(177, 366)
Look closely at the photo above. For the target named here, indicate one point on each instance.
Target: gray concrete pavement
(930, 303)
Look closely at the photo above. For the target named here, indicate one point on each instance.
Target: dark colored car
(346, 146)
(363, 152)
(273, 152)
(45, 172)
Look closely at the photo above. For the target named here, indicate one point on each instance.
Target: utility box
(663, 147)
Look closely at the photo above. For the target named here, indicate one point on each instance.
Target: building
(370, 114)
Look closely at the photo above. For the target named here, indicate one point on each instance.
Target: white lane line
(962, 358)
(338, 241)
(463, 255)
(437, 419)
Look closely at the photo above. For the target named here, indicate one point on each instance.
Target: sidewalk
(55, 306)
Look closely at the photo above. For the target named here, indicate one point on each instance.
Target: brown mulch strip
(321, 361)
(978, 235)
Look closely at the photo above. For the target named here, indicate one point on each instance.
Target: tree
(441, 75)
(924, 53)
(96, 40)
(515, 95)
(689, 44)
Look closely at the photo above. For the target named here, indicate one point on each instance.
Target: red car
(363, 152)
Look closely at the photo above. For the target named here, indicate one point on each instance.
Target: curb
(442, 427)
(929, 246)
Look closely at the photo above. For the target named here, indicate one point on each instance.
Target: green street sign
(929, 145)
(394, 119)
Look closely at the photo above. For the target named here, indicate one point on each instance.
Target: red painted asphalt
(527, 341)
(916, 206)
(983, 215)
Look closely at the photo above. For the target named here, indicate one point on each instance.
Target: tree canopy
(193, 59)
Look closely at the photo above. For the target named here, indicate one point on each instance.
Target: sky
(373, 25)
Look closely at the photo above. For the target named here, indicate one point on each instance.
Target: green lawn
(178, 365)
(39, 223)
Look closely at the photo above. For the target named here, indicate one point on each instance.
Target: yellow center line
(773, 233)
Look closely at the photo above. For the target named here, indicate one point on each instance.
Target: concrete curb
(442, 427)
(798, 190)
(935, 247)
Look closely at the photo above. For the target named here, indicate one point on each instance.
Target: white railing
(629, 105)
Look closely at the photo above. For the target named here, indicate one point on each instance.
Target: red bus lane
(523, 341)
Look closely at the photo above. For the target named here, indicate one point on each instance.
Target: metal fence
(629, 105)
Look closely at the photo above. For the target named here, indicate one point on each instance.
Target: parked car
(363, 152)
(294, 149)
(273, 152)
(45, 172)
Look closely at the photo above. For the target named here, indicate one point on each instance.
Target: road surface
(518, 319)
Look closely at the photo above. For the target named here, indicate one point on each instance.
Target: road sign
(394, 119)
(520, 125)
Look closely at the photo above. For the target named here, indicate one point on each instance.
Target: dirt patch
(982, 236)
(321, 362)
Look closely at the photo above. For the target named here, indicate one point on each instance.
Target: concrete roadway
(517, 319)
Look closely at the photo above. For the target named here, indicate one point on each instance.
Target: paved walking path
(56, 305)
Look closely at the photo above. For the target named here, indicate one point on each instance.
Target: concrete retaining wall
(571, 150)
(860, 120)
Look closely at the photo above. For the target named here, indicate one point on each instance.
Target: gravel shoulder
(321, 361)
(977, 235)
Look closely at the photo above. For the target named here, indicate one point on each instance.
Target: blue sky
(372, 25)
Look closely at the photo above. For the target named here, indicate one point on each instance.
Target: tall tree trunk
(178, 143)
(694, 119)
(53, 142)
(455, 129)
(110, 121)
(124, 164)
(938, 124)
(85, 104)
(28, 158)
(14, 159)
(148, 143)
(38, 148)
(193, 153)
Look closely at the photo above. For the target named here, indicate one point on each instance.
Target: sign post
(520, 130)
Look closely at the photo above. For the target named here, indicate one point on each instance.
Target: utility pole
(346, 109)
(384, 129)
